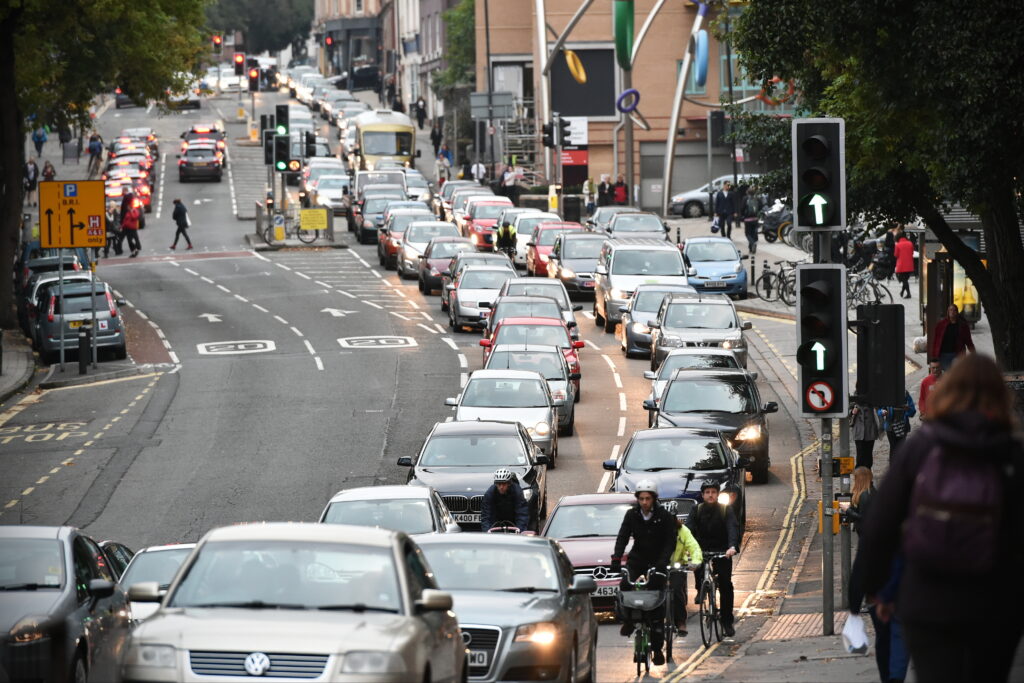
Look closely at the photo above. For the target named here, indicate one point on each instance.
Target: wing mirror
(744, 257)
(485, 304)
(578, 344)
(101, 588)
(649, 404)
(543, 459)
(601, 270)
(405, 461)
(577, 307)
(745, 461)
(654, 325)
(452, 528)
(583, 585)
(574, 376)
(450, 287)
(434, 600)
(746, 325)
(147, 591)
(650, 374)
(571, 323)
(451, 401)
(771, 407)
(486, 343)
(610, 465)
(691, 271)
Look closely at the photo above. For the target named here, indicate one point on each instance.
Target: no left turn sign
(820, 396)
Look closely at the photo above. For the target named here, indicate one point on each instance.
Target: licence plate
(478, 658)
(74, 323)
(467, 517)
(606, 591)
(714, 284)
(589, 283)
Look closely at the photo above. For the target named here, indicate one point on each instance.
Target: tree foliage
(459, 48)
(932, 93)
(269, 25)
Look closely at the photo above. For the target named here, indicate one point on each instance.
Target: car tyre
(609, 325)
(570, 426)
(759, 474)
(693, 210)
(572, 669)
(598, 318)
(591, 676)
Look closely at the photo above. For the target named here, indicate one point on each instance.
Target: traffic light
(239, 63)
(880, 371)
(282, 152)
(549, 134)
(268, 146)
(310, 138)
(254, 80)
(281, 119)
(218, 43)
(563, 131)
(329, 41)
(819, 173)
(822, 350)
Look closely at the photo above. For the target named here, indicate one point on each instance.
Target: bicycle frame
(642, 634)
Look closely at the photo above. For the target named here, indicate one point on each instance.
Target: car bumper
(469, 314)
(204, 172)
(578, 285)
(483, 241)
(545, 444)
(101, 341)
(611, 309)
(431, 282)
(521, 661)
(735, 286)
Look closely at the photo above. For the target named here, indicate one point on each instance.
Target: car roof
(498, 373)
(525, 299)
(539, 542)
(380, 492)
(413, 211)
(304, 531)
(543, 282)
(667, 286)
(704, 351)
(674, 433)
(484, 267)
(712, 373)
(596, 498)
(708, 238)
(85, 287)
(34, 531)
(582, 234)
(559, 225)
(450, 238)
(475, 427)
(713, 298)
(639, 243)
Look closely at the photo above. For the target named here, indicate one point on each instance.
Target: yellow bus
(385, 134)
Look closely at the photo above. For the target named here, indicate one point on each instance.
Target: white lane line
(622, 402)
(174, 359)
(414, 305)
(175, 264)
(231, 187)
(398, 315)
(618, 380)
(159, 332)
(609, 361)
(241, 298)
(606, 480)
(223, 289)
(191, 272)
(260, 308)
(160, 190)
(167, 344)
(440, 327)
(622, 427)
(303, 275)
(463, 363)
(281, 265)
(592, 345)
(588, 314)
(322, 283)
(400, 293)
(463, 378)
(615, 452)
(344, 293)
(206, 279)
(450, 342)
(296, 331)
(260, 256)
(370, 303)
(141, 314)
(319, 363)
(280, 320)
(426, 315)
(312, 351)
(428, 329)
(375, 273)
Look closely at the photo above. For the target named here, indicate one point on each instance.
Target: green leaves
(460, 47)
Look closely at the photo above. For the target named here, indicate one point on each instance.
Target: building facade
(349, 35)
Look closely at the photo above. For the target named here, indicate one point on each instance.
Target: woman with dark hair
(947, 506)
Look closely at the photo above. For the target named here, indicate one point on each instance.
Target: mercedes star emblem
(257, 664)
(600, 572)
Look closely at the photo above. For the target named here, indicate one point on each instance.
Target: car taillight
(49, 311)
(111, 305)
(574, 366)
(181, 162)
(220, 144)
(151, 137)
(137, 202)
(144, 174)
(144, 189)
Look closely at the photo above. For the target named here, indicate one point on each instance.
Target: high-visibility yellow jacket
(687, 549)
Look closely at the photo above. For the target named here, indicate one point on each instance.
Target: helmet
(646, 486)
(710, 484)
(502, 476)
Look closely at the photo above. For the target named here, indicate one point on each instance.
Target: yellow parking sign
(313, 219)
(71, 214)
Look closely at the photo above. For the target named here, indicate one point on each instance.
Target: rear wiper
(249, 604)
(357, 607)
(528, 589)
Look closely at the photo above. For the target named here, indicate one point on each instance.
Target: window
(359, 6)
(691, 80)
(419, 577)
(85, 569)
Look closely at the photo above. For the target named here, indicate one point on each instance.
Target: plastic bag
(714, 225)
(855, 638)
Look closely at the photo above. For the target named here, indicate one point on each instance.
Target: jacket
(963, 338)
(687, 549)
(926, 596)
(908, 408)
(180, 215)
(715, 527)
(491, 509)
(654, 540)
(859, 512)
(863, 424)
(725, 203)
(904, 252)
(130, 219)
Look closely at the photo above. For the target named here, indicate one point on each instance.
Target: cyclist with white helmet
(653, 530)
(504, 502)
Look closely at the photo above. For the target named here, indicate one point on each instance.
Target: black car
(678, 460)
(573, 259)
(436, 258)
(62, 615)
(200, 162)
(603, 215)
(459, 460)
(725, 400)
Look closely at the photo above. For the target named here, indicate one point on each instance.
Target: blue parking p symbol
(70, 190)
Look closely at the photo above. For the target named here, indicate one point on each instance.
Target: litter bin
(572, 208)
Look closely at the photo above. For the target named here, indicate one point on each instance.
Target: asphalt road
(262, 404)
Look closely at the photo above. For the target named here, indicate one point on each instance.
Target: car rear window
(547, 364)
(425, 233)
(544, 335)
(402, 514)
(525, 309)
(78, 303)
(473, 450)
(484, 279)
(30, 564)
(552, 291)
(700, 316)
(199, 153)
(725, 395)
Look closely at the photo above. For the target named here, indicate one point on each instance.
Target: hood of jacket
(973, 432)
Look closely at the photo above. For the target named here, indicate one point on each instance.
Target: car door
(579, 610)
(439, 633)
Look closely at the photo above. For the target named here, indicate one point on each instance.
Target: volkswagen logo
(702, 344)
(601, 573)
(467, 638)
(257, 664)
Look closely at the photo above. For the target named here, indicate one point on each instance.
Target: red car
(545, 331)
(538, 249)
(480, 221)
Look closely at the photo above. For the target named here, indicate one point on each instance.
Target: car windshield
(544, 335)
(484, 279)
(78, 303)
(708, 396)
(547, 364)
(376, 204)
(418, 183)
(711, 251)
(637, 223)
(574, 521)
(488, 211)
(332, 183)
(528, 309)
(449, 249)
(425, 233)
(492, 567)
(411, 515)
(290, 575)
(695, 361)
(505, 393)
(30, 564)
(473, 450)
(702, 316)
(581, 248)
(546, 238)
(481, 260)
(640, 262)
(387, 143)
(157, 565)
(649, 300)
(555, 291)
(402, 220)
(526, 225)
(691, 453)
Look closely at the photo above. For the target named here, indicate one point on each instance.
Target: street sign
(820, 396)
(502, 105)
(71, 214)
(313, 219)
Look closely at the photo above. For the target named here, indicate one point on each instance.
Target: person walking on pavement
(31, 181)
(39, 138)
(863, 430)
(182, 220)
(604, 190)
(718, 531)
(589, 190)
(950, 506)
(113, 230)
(421, 112)
(952, 338)
(130, 225)
(435, 139)
(443, 168)
(49, 172)
(928, 385)
(479, 172)
(896, 423)
(750, 204)
(725, 208)
(620, 191)
(904, 251)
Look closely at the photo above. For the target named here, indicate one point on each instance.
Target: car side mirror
(146, 591)
(542, 459)
(746, 325)
(485, 304)
(610, 465)
(419, 153)
(650, 374)
(558, 402)
(583, 585)
(101, 588)
(486, 343)
(574, 376)
(623, 309)
(691, 271)
(405, 461)
(452, 528)
(344, 190)
(771, 407)
(121, 301)
(753, 375)
(531, 244)
(451, 401)
(665, 225)
(744, 461)
(434, 601)
(578, 344)
(649, 404)
(601, 270)
(654, 325)
(577, 307)
(571, 323)
(177, 156)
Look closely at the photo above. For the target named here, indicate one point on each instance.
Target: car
(714, 265)
(333, 602)
(145, 135)
(707, 321)
(524, 224)
(49, 262)
(334, 192)
(523, 613)
(314, 168)
(694, 359)
(522, 396)
(470, 288)
(389, 241)
(481, 216)
(205, 132)
(542, 239)
(641, 310)
(638, 224)
(393, 193)
(436, 258)
(26, 303)
(78, 311)
(415, 239)
(200, 162)
(386, 163)
(458, 459)
(465, 259)
(386, 177)
(678, 460)
(551, 364)
(625, 264)
(122, 99)
(157, 563)
(694, 203)
(415, 510)
(553, 289)
(441, 202)
(371, 216)
(118, 555)
(461, 196)
(508, 215)
(518, 306)
(602, 216)
(726, 400)
(62, 615)
(547, 331)
(586, 527)
(418, 186)
(182, 99)
(572, 261)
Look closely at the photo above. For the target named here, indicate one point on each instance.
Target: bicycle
(291, 228)
(863, 288)
(710, 618)
(639, 606)
(95, 161)
(777, 284)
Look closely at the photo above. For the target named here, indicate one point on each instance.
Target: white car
(416, 510)
(524, 224)
(158, 563)
(694, 203)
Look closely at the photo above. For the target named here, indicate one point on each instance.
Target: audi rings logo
(257, 664)
(601, 573)
(467, 638)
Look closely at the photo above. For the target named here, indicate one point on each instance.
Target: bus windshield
(387, 143)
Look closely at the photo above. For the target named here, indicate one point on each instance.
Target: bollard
(84, 349)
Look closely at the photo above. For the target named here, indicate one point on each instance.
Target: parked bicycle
(863, 288)
(778, 284)
(291, 228)
(645, 608)
(707, 597)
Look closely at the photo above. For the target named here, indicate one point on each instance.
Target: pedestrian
(478, 172)
(113, 231)
(928, 385)
(49, 172)
(863, 430)
(620, 191)
(750, 204)
(890, 647)
(589, 190)
(952, 338)
(725, 208)
(949, 506)
(443, 168)
(435, 139)
(130, 224)
(31, 181)
(860, 496)
(183, 223)
(904, 252)
(421, 112)
(604, 190)
(896, 423)
(508, 183)
(39, 138)
(448, 154)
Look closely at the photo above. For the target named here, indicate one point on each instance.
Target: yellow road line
(102, 382)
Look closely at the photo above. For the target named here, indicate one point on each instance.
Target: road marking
(440, 328)
(370, 303)
(463, 363)
(174, 359)
(398, 315)
(618, 380)
(296, 331)
(428, 329)
(223, 289)
(280, 320)
(450, 342)
(319, 363)
(241, 298)
(606, 480)
(160, 190)
(622, 402)
(375, 273)
(283, 266)
(344, 293)
(588, 314)
(303, 275)
(463, 378)
(309, 346)
(622, 427)
(592, 345)
(609, 361)
(323, 284)
(236, 347)
(400, 293)
(260, 308)
(206, 279)
(377, 342)
(42, 479)
(191, 272)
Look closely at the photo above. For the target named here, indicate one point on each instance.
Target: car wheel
(380, 255)
(181, 178)
(420, 286)
(570, 426)
(759, 474)
(744, 294)
(78, 672)
(591, 676)
(598, 319)
(554, 455)
(444, 305)
(571, 671)
(579, 394)
(693, 210)
(609, 326)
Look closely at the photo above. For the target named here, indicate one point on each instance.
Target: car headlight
(732, 344)
(616, 293)
(543, 633)
(474, 238)
(725, 498)
(568, 272)
(154, 656)
(669, 340)
(749, 433)
(29, 630)
(640, 328)
(540, 429)
(738, 268)
(372, 662)
(528, 494)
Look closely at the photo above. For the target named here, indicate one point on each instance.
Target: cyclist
(687, 553)
(504, 502)
(506, 238)
(653, 529)
(718, 531)
(95, 152)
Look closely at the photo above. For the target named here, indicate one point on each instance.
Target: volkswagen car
(715, 265)
(708, 321)
(416, 510)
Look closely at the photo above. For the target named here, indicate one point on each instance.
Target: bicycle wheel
(266, 234)
(881, 293)
(307, 236)
(707, 603)
(765, 286)
(717, 620)
(787, 290)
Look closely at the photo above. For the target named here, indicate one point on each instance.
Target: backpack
(956, 510)
(883, 265)
(749, 207)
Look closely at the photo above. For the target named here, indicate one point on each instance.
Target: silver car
(414, 242)
(77, 312)
(707, 322)
(524, 224)
(473, 286)
(512, 396)
(695, 203)
(158, 563)
(413, 509)
(550, 362)
(624, 265)
(319, 602)
(553, 289)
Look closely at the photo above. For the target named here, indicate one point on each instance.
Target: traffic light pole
(827, 579)
(845, 549)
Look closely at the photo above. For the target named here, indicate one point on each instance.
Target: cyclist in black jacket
(504, 502)
(716, 528)
(653, 529)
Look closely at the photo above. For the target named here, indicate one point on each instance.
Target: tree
(455, 81)
(54, 59)
(932, 94)
(269, 25)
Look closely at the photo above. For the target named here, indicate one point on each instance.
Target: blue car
(714, 265)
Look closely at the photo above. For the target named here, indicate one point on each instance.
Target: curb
(23, 381)
(48, 383)
(742, 308)
(257, 244)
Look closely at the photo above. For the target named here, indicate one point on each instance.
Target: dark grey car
(638, 224)
(573, 259)
(641, 311)
(77, 312)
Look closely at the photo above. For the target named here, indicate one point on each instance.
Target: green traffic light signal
(280, 165)
(281, 130)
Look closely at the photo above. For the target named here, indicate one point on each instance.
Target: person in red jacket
(904, 252)
(952, 337)
(927, 384)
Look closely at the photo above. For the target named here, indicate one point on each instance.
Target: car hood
(463, 480)
(727, 423)
(714, 268)
(247, 630)
(580, 265)
(18, 604)
(672, 484)
(527, 417)
(332, 194)
(497, 608)
(470, 295)
(645, 317)
(484, 223)
(630, 282)
(585, 552)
